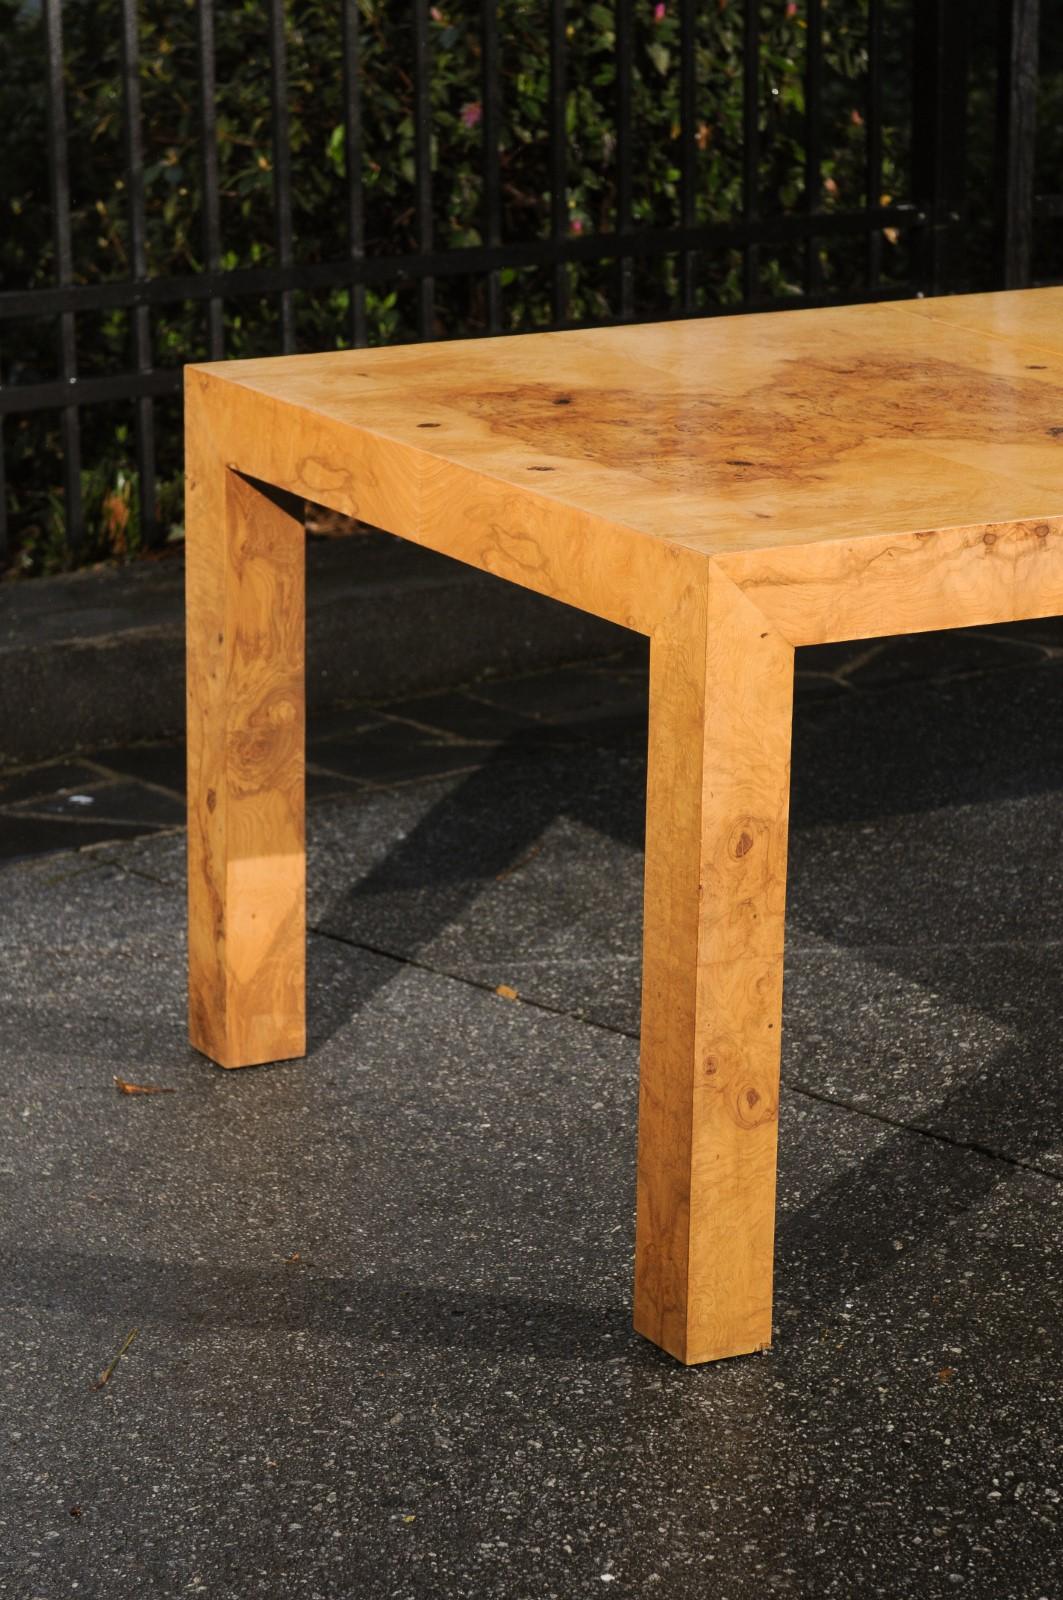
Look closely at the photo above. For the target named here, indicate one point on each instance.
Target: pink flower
(575, 225)
(436, 15)
(660, 11)
(791, 9)
(472, 113)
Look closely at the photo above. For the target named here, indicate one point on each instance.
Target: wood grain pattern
(246, 839)
(716, 821)
(732, 488)
(1031, 318)
(725, 438)
(912, 583)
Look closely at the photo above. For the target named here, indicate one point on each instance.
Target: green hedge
(173, 180)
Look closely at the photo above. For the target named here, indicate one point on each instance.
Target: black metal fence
(928, 78)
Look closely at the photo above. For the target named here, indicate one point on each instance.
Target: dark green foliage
(173, 178)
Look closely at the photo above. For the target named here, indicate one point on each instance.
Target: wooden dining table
(733, 487)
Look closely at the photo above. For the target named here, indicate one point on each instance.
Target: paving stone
(134, 803)
(330, 785)
(462, 716)
(529, 876)
(1046, 631)
(162, 764)
(817, 684)
(961, 1042)
(384, 617)
(390, 752)
(920, 657)
(633, 656)
(838, 658)
(568, 695)
(916, 748)
(53, 778)
(919, 937)
(23, 837)
(341, 722)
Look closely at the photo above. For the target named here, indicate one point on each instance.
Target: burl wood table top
(732, 487)
(793, 448)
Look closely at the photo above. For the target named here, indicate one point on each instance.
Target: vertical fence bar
(750, 142)
(422, 135)
(813, 139)
(624, 135)
(59, 182)
(873, 148)
(939, 133)
(282, 166)
(141, 316)
(1018, 55)
(688, 160)
(491, 124)
(208, 138)
(353, 152)
(558, 129)
(926, 28)
(3, 492)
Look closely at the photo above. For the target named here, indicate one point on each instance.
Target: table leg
(246, 781)
(721, 690)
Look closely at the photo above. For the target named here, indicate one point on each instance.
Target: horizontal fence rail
(784, 219)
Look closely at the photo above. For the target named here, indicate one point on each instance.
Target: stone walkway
(381, 1296)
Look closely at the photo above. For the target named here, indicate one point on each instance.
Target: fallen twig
(105, 1375)
(140, 1088)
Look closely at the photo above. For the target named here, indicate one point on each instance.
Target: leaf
(335, 150)
(140, 1088)
(506, 992)
(661, 57)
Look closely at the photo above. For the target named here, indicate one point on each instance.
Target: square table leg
(721, 696)
(720, 718)
(246, 767)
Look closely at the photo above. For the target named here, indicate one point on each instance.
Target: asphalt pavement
(363, 1321)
